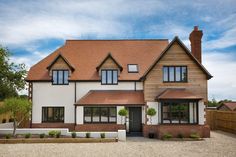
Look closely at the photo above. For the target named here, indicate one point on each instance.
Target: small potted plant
(151, 112)
(102, 135)
(123, 113)
(73, 134)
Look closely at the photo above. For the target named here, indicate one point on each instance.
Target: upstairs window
(175, 74)
(109, 77)
(60, 77)
(132, 68)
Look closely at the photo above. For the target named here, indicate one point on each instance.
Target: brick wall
(99, 127)
(174, 130)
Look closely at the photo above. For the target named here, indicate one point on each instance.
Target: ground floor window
(53, 114)
(100, 114)
(179, 112)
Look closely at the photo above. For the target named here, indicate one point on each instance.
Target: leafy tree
(123, 113)
(16, 106)
(151, 112)
(11, 75)
(213, 103)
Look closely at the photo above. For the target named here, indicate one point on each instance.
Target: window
(132, 68)
(53, 114)
(175, 74)
(60, 77)
(100, 114)
(179, 112)
(109, 77)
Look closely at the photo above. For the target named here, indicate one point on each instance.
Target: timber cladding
(60, 64)
(175, 56)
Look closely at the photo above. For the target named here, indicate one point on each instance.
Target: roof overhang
(112, 97)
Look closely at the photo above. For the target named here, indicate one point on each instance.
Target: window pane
(183, 111)
(103, 77)
(44, 110)
(96, 114)
(54, 76)
(112, 115)
(174, 113)
(53, 114)
(184, 74)
(87, 114)
(60, 77)
(133, 68)
(177, 74)
(165, 74)
(166, 113)
(115, 75)
(66, 75)
(109, 77)
(171, 74)
(104, 114)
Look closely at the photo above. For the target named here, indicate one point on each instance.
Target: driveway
(220, 144)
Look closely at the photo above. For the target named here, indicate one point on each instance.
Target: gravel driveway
(220, 144)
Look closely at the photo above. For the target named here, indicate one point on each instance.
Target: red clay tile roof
(177, 94)
(230, 105)
(112, 97)
(86, 55)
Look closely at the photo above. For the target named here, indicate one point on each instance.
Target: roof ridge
(117, 39)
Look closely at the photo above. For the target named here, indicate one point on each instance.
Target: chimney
(196, 43)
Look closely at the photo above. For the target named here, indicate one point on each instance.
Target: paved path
(220, 144)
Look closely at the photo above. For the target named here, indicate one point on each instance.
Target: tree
(11, 75)
(16, 106)
(212, 103)
(123, 113)
(151, 112)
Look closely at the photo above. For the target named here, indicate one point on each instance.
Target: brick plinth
(99, 127)
(70, 126)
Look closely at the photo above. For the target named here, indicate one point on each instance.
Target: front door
(135, 119)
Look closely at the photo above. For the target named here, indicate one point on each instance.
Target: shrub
(87, 134)
(180, 135)
(4, 120)
(58, 134)
(42, 135)
(102, 135)
(194, 135)
(11, 120)
(73, 134)
(167, 136)
(52, 133)
(28, 135)
(8, 136)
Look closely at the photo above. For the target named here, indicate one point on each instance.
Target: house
(227, 106)
(84, 83)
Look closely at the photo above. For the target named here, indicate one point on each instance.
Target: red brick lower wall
(70, 126)
(99, 127)
(174, 130)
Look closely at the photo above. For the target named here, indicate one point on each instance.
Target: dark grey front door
(135, 119)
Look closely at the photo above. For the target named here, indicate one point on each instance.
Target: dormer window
(60, 77)
(109, 77)
(133, 68)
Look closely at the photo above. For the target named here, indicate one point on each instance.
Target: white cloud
(223, 67)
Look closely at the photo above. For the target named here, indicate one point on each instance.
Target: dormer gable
(109, 63)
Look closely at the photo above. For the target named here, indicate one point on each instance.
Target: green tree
(123, 113)
(16, 106)
(212, 103)
(11, 75)
(151, 112)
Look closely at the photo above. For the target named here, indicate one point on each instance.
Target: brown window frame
(45, 119)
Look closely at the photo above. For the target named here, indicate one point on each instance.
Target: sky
(33, 29)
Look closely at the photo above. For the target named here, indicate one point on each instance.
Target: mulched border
(57, 140)
(184, 139)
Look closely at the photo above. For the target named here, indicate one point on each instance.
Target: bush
(87, 134)
(11, 120)
(58, 134)
(4, 120)
(28, 135)
(180, 135)
(102, 135)
(42, 135)
(167, 136)
(73, 134)
(52, 133)
(194, 135)
(8, 136)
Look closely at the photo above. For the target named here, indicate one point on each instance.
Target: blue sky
(33, 29)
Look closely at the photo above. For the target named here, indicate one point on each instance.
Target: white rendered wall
(84, 87)
(154, 118)
(79, 115)
(201, 111)
(45, 94)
